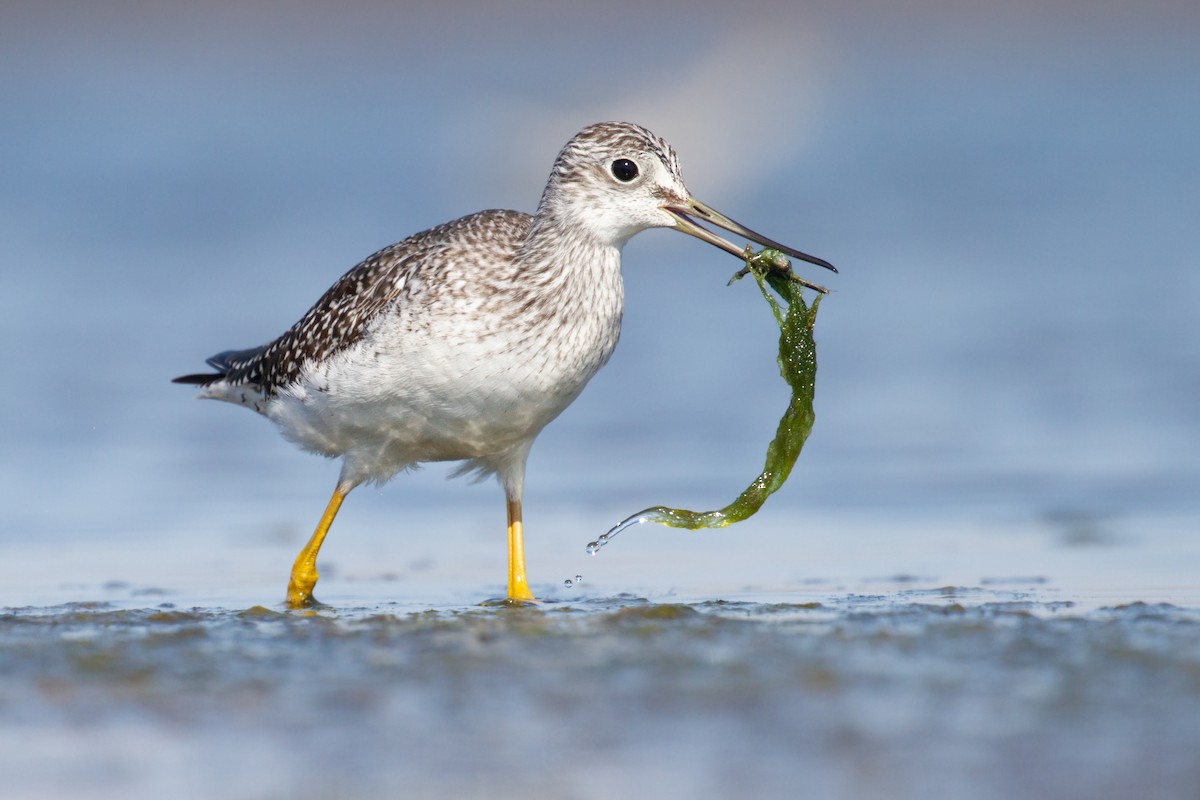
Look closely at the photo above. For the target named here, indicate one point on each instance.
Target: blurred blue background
(1011, 191)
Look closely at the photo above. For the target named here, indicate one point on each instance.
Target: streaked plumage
(462, 342)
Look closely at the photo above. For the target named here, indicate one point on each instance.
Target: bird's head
(616, 179)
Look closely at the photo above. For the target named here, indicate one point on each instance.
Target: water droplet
(568, 583)
(579, 579)
(605, 538)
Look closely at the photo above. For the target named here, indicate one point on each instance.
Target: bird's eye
(624, 170)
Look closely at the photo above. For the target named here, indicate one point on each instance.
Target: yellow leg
(518, 586)
(304, 571)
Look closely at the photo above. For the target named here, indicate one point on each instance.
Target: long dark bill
(694, 208)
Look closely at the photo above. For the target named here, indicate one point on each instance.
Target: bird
(462, 342)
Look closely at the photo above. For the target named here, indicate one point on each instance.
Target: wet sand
(913, 692)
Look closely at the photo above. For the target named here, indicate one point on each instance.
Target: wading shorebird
(462, 342)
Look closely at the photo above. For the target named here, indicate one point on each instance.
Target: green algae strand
(798, 366)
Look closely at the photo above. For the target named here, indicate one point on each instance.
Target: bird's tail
(199, 379)
(224, 363)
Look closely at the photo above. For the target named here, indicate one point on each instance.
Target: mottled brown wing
(341, 316)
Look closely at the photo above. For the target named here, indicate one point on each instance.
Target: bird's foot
(300, 593)
(511, 602)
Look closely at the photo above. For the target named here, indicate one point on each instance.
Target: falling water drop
(649, 515)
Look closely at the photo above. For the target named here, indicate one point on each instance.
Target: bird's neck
(562, 247)
(574, 273)
(566, 293)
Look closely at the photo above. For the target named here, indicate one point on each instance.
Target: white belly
(409, 393)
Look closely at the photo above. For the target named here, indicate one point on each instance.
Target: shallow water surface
(921, 693)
